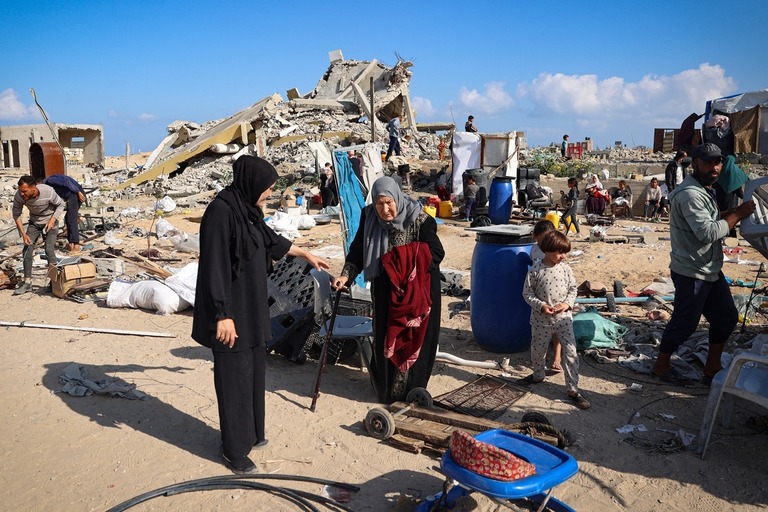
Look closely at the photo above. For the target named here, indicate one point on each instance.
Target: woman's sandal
(556, 367)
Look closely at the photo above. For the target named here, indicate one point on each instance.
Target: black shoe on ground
(261, 444)
(24, 287)
(242, 466)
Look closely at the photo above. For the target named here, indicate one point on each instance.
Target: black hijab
(252, 176)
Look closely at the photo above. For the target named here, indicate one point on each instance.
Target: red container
(575, 151)
(433, 201)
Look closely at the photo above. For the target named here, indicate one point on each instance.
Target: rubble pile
(337, 111)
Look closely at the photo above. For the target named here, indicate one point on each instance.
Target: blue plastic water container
(500, 317)
(500, 202)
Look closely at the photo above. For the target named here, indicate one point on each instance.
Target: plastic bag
(593, 331)
(164, 228)
(111, 239)
(166, 204)
(185, 243)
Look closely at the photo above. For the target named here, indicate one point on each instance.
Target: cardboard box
(64, 278)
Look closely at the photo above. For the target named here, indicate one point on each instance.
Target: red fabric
(410, 302)
(488, 460)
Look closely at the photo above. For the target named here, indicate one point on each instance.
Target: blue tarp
(351, 200)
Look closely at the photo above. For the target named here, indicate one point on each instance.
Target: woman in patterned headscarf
(231, 303)
(404, 351)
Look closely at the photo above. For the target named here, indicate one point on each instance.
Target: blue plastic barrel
(499, 316)
(500, 202)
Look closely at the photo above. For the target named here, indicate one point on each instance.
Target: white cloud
(113, 114)
(493, 100)
(652, 97)
(423, 106)
(12, 108)
(146, 117)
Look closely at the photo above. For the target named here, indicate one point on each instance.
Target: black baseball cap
(707, 152)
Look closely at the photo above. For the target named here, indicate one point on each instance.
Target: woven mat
(486, 397)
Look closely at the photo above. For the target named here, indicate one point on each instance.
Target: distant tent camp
(748, 113)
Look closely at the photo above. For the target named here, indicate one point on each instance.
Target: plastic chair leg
(710, 416)
(727, 410)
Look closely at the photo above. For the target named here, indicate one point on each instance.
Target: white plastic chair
(359, 328)
(746, 377)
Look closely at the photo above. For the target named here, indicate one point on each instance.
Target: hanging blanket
(410, 302)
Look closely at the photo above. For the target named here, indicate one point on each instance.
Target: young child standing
(469, 201)
(550, 290)
(569, 217)
(540, 229)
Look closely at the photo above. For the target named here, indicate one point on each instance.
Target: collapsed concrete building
(83, 144)
(340, 111)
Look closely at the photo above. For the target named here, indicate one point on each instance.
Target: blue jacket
(63, 185)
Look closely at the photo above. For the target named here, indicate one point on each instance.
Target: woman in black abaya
(231, 314)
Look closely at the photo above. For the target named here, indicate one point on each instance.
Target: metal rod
(324, 351)
(89, 329)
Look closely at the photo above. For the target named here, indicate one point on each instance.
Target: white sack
(184, 282)
(152, 295)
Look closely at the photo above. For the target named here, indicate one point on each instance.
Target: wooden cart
(415, 425)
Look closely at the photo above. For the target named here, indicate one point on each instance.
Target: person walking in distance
(393, 126)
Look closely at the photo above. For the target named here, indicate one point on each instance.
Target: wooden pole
(373, 115)
(89, 329)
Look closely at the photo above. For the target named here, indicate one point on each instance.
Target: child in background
(550, 290)
(569, 217)
(540, 229)
(469, 201)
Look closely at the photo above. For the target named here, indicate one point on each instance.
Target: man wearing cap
(697, 229)
(469, 126)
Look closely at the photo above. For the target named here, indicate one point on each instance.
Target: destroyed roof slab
(234, 127)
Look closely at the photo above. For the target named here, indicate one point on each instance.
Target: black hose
(240, 482)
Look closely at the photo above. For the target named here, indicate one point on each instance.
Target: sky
(609, 70)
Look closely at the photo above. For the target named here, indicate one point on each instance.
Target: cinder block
(109, 267)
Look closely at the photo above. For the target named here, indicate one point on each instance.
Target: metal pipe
(489, 365)
(88, 329)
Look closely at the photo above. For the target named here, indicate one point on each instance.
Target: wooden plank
(427, 431)
(456, 419)
(406, 443)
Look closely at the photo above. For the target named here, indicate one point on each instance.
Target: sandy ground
(65, 453)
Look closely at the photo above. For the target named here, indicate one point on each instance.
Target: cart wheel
(535, 417)
(380, 423)
(610, 300)
(618, 289)
(421, 396)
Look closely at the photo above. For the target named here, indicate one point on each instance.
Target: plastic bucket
(445, 210)
(554, 218)
(500, 202)
(500, 318)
